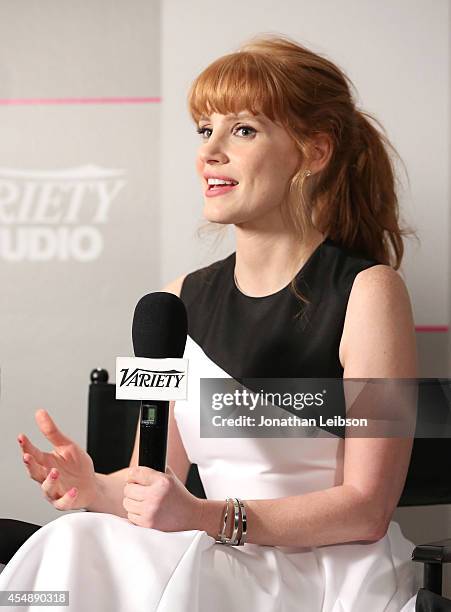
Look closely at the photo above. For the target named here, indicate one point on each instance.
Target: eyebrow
(237, 116)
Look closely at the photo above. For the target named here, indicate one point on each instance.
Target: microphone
(160, 327)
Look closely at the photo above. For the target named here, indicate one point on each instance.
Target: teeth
(214, 181)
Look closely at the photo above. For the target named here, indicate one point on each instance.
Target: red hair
(353, 198)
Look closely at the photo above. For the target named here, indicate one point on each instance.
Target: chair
(112, 426)
(428, 481)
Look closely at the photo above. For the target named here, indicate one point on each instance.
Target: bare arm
(111, 486)
(378, 342)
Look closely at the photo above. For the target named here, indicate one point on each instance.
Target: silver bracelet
(239, 519)
(243, 523)
(236, 522)
(222, 539)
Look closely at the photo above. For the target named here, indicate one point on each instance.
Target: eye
(202, 130)
(247, 128)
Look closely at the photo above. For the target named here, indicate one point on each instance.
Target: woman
(311, 291)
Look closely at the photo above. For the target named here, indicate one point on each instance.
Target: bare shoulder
(379, 277)
(380, 288)
(175, 286)
(379, 319)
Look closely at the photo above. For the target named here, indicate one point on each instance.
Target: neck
(268, 258)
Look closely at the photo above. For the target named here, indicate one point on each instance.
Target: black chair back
(428, 479)
(111, 425)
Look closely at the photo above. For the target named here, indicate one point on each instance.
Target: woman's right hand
(66, 474)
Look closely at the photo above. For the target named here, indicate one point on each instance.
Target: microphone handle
(153, 434)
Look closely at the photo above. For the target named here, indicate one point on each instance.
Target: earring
(308, 173)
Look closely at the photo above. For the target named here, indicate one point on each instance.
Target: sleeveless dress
(109, 564)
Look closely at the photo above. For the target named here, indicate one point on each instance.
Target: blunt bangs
(238, 82)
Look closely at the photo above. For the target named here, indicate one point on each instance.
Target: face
(256, 154)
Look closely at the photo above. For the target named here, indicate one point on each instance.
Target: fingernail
(54, 475)
(73, 492)
(26, 460)
(20, 440)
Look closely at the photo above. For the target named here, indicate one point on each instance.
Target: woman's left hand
(160, 501)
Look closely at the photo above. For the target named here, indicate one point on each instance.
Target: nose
(212, 152)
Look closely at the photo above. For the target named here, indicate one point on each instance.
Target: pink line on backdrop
(431, 328)
(67, 101)
(139, 100)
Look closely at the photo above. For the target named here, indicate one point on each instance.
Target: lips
(218, 177)
(229, 179)
(213, 190)
(216, 190)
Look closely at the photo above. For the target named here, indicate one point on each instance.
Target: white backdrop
(76, 77)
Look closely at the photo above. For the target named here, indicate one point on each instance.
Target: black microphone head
(160, 326)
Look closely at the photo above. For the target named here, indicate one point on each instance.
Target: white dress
(107, 564)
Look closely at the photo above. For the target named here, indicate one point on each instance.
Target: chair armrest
(434, 552)
(433, 555)
(13, 534)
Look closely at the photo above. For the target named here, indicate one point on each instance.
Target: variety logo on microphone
(139, 378)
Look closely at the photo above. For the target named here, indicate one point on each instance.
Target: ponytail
(364, 211)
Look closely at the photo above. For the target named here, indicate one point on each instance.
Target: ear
(321, 150)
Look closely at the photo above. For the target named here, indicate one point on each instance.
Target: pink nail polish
(73, 492)
(54, 475)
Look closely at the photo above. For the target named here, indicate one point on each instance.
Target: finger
(142, 475)
(132, 506)
(51, 485)
(134, 491)
(136, 519)
(28, 447)
(171, 474)
(67, 501)
(35, 470)
(50, 430)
